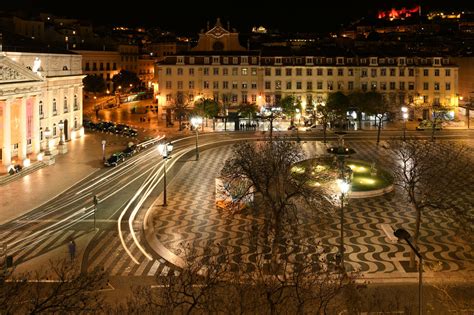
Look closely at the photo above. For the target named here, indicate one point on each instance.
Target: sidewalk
(83, 158)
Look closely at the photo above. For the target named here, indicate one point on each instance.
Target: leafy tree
(290, 106)
(182, 108)
(375, 104)
(270, 116)
(207, 108)
(338, 103)
(124, 78)
(94, 84)
(248, 110)
(325, 115)
(358, 101)
(426, 173)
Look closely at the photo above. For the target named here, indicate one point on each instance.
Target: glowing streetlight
(196, 122)
(405, 117)
(165, 151)
(103, 150)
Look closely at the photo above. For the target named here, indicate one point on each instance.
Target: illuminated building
(37, 92)
(263, 77)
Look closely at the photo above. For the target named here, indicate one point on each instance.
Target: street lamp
(47, 135)
(405, 117)
(103, 150)
(344, 187)
(403, 234)
(61, 145)
(61, 127)
(196, 122)
(165, 151)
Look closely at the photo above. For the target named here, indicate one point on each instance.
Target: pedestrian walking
(72, 249)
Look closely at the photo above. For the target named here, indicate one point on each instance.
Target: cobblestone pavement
(192, 218)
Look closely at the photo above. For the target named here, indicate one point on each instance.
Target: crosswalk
(103, 251)
(106, 252)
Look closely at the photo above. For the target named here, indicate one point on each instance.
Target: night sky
(192, 15)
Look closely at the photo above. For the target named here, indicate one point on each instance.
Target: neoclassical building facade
(38, 91)
(235, 76)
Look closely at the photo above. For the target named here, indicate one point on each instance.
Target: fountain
(365, 178)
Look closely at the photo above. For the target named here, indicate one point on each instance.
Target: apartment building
(255, 77)
(221, 70)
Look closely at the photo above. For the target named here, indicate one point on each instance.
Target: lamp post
(344, 187)
(61, 127)
(48, 158)
(405, 117)
(196, 122)
(47, 135)
(405, 235)
(61, 145)
(165, 151)
(103, 150)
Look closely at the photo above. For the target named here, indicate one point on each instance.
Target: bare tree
(209, 284)
(66, 290)
(427, 173)
(268, 169)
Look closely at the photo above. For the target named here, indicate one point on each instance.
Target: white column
(22, 146)
(7, 141)
(35, 135)
(81, 106)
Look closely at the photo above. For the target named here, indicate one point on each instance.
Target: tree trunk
(360, 120)
(417, 234)
(379, 129)
(325, 127)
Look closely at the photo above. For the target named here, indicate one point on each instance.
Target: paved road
(70, 215)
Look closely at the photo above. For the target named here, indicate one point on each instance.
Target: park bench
(389, 232)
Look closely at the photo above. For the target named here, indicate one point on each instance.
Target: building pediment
(13, 72)
(217, 31)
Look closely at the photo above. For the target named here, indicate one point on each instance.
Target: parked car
(115, 159)
(314, 128)
(428, 125)
(130, 150)
(130, 132)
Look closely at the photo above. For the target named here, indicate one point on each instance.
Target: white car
(314, 128)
